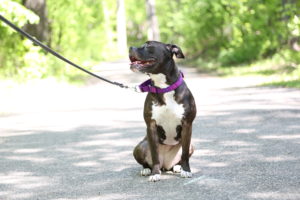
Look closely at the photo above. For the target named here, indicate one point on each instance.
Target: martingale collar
(148, 87)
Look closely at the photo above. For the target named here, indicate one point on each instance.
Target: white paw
(177, 169)
(145, 172)
(185, 174)
(154, 178)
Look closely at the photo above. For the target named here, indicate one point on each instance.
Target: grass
(273, 72)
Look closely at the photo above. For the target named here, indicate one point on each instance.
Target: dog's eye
(150, 49)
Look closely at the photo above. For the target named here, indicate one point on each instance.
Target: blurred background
(223, 37)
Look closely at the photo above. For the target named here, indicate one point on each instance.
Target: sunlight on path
(59, 141)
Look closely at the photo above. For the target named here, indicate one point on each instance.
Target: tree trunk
(153, 28)
(292, 40)
(41, 30)
(121, 28)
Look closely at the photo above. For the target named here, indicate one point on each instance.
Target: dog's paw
(185, 174)
(154, 178)
(177, 169)
(145, 172)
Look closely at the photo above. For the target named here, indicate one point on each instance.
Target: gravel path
(65, 142)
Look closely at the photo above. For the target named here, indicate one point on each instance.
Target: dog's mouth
(141, 63)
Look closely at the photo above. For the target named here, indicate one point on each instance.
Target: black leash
(46, 48)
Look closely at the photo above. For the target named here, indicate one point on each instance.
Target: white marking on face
(168, 116)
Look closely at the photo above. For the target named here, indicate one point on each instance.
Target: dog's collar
(148, 87)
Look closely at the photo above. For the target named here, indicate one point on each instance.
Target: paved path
(65, 142)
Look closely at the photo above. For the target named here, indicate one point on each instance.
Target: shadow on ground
(69, 143)
(241, 154)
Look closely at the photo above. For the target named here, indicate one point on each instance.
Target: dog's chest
(169, 117)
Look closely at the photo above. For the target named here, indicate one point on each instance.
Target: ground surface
(66, 142)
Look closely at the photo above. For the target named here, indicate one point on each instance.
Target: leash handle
(48, 49)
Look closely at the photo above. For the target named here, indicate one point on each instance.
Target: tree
(153, 28)
(41, 30)
(121, 27)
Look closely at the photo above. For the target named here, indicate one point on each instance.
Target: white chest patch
(159, 80)
(168, 116)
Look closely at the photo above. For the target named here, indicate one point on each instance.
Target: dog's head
(153, 57)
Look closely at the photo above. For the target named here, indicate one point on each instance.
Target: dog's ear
(175, 50)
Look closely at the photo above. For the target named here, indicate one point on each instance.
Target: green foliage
(215, 32)
(83, 31)
(275, 71)
(136, 22)
(85, 26)
(230, 32)
(14, 50)
(17, 14)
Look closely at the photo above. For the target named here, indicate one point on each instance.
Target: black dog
(169, 111)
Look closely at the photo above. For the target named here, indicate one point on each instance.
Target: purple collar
(148, 87)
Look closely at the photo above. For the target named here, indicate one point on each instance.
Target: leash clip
(136, 89)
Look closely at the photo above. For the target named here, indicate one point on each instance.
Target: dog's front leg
(186, 143)
(153, 144)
